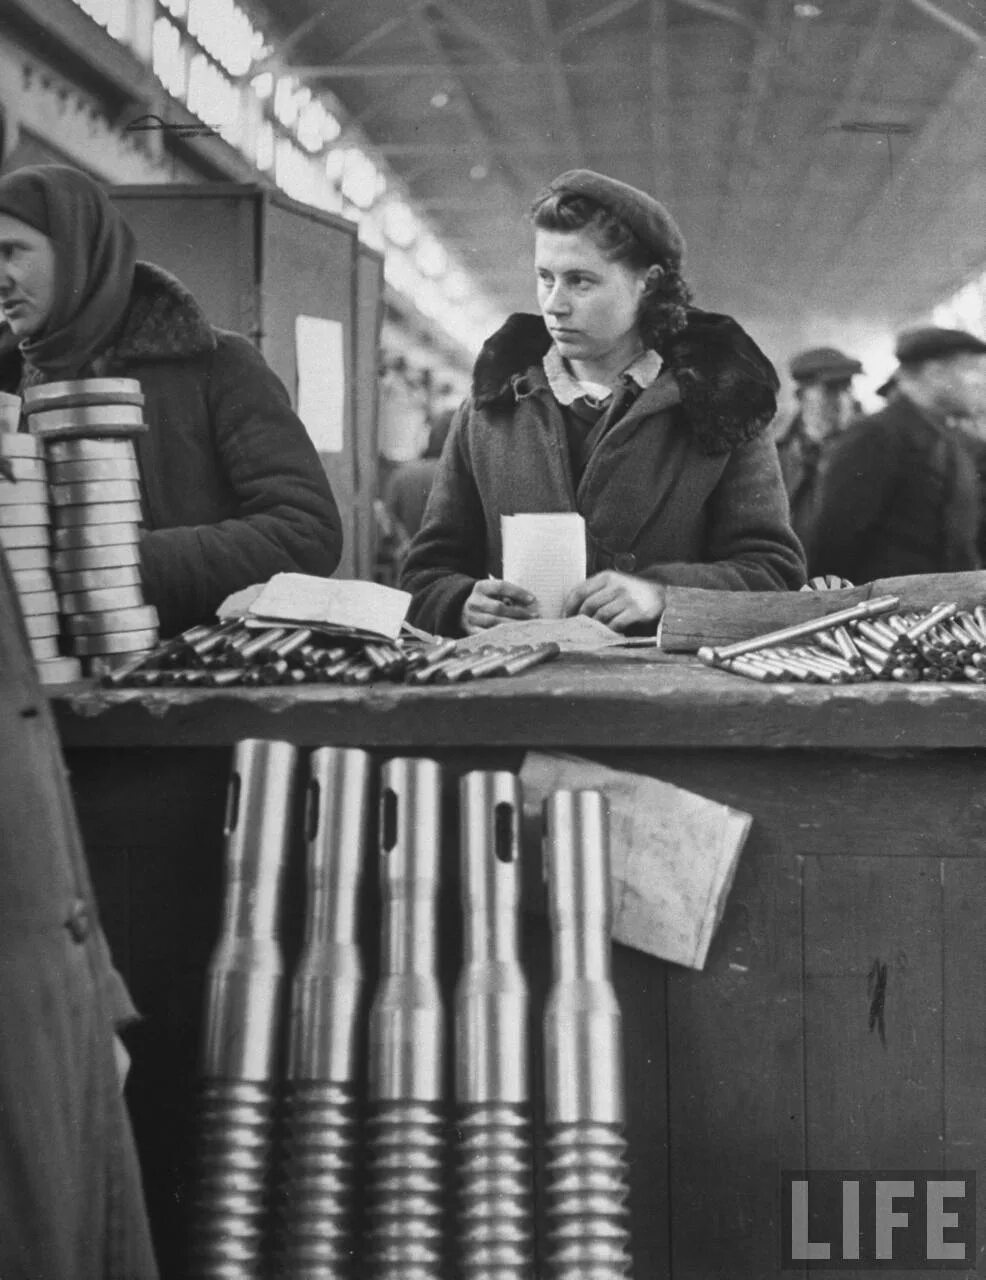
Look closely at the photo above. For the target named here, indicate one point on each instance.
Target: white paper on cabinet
(321, 381)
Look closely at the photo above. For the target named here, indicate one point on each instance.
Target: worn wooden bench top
(629, 700)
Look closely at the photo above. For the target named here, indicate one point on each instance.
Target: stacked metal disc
(25, 534)
(88, 428)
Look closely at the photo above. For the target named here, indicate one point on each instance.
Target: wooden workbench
(839, 1020)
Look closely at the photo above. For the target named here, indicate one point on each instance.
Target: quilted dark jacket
(232, 488)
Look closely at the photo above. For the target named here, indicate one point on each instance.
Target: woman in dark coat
(623, 403)
(232, 488)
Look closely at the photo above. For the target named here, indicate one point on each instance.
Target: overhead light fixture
(478, 172)
(805, 10)
(440, 98)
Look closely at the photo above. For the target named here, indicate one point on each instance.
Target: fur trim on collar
(728, 386)
(163, 322)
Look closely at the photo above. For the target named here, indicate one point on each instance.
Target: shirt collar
(566, 388)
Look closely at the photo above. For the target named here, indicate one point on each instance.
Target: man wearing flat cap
(903, 491)
(826, 406)
(621, 402)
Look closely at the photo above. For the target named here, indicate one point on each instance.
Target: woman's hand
(492, 601)
(619, 600)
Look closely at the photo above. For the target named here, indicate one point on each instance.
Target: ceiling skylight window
(361, 180)
(168, 58)
(224, 31)
(400, 224)
(213, 98)
(431, 258)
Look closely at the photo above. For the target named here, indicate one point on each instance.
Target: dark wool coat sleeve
(282, 516)
(750, 544)
(448, 554)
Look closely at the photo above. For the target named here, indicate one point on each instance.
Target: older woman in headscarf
(232, 488)
(621, 402)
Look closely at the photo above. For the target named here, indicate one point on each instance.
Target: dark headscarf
(95, 251)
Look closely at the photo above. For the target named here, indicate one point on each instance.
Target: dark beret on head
(646, 217)
(824, 364)
(930, 343)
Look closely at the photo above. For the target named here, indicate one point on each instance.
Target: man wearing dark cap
(903, 491)
(826, 406)
(623, 403)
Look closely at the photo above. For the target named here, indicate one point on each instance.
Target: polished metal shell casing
(406, 1124)
(407, 1020)
(583, 1029)
(493, 1153)
(328, 980)
(242, 1018)
(245, 975)
(319, 1154)
(586, 1171)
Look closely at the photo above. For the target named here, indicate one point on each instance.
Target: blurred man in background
(903, 492)
(405, 496)
(826, 406)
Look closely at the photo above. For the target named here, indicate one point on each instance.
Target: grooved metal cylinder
(234, 1138)
(586, 1171)
(406, 1175)
(495, 1192)
(319, 1116)
(243, 992)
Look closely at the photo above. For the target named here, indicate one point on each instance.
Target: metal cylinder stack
(406, 1144)
(320, 1146)
(88, 427)
(495, 1188)
(587, 1176)
(242, 1021)
(25, 535)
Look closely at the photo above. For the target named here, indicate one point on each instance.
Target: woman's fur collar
(163, 321)
(728, 386)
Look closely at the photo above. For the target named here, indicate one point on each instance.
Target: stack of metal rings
(88, 428)
(25, 535)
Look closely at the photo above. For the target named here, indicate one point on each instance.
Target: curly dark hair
(666, 295)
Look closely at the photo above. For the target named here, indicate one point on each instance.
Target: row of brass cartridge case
(232, 653)
(304, 1173)
(879, 642)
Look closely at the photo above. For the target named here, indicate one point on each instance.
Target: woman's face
(589, 303)
(27, 277)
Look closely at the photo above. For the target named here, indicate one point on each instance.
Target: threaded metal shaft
(406, 1192)
(495, 1184)
(495, 1230)
(319, 1139)
(229, 1201)
(586, 1176)
(317, 1178)
(586, 1209)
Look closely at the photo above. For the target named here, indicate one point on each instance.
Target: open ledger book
(330, 604)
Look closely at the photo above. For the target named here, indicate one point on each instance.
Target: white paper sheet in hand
(544, 552)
